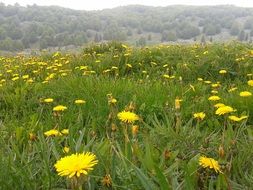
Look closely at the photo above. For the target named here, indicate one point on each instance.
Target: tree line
(42, 27)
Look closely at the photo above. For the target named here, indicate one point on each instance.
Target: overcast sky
(101, 4)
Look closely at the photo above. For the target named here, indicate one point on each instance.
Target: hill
(42, 27)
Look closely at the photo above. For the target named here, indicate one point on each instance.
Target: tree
(235, 29)
(141, 42)
(3, 34)
(203, 40)
(241, 36)
(248, 24)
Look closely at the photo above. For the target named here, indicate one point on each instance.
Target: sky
(102, 4)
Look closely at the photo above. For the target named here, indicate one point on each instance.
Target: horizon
(96, 5)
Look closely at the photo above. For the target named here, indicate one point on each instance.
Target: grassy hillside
(38, 27)
(180, 137)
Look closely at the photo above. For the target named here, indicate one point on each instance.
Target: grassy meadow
(190, 102)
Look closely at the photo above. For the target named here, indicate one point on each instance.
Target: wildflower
(107, 180)
(200, 79)
(177, 103)
(59, 108)
(52, 132)
(209, 163)
(76, 164)
(235, 118)
(65, 131)
(112, 101)
(129, 65)
(232, 89)
(166, 76)
(80, 101)
(250, 82)
(48, 100)
(15, 78)
(218, 105)
(215, 85)
(214, 98)
(214, 92)
(200, 115)
(223, 71)
(127, 117)
(207, 82)
(66, 149)
(245, 94)
(223, 110)
(32, 136)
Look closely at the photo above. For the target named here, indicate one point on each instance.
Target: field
(162, 117)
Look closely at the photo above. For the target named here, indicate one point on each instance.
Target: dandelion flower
(200, 115)
(214, 98)
(66, 149)
(59, 108)
(52, 132)
(128, 117)
(218, 105)
(206, 162)
(65, 131)
(232, 89)
(223, 110)
(80, 101)
(177, 103)
(223, 71)
(250, 82)
(237, 119)
(48, 100)
(76, 164)
(245, 94)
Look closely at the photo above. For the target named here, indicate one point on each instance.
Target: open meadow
(119, 117)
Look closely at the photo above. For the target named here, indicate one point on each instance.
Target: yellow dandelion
(80, 101)
(128, 117)
(237, 119)
(208, 82)
(245, 94)
(250, 82)
(214, 98)
(52, 132)
(218, 105)
(66, 149)
(214, 92)
(177, 103)
(112, 101)
(166, 76)
(59, 108)
(232, 89)
(223, 110)
(206, 162)
(76, 164)
(222, 71)
(65, 131)
(48, 100)
(199, 115)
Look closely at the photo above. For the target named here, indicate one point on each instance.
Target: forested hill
(42, 27)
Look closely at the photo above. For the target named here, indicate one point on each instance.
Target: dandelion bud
(221, 151)
(135, 129)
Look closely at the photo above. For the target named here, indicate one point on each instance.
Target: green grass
(164, 154)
